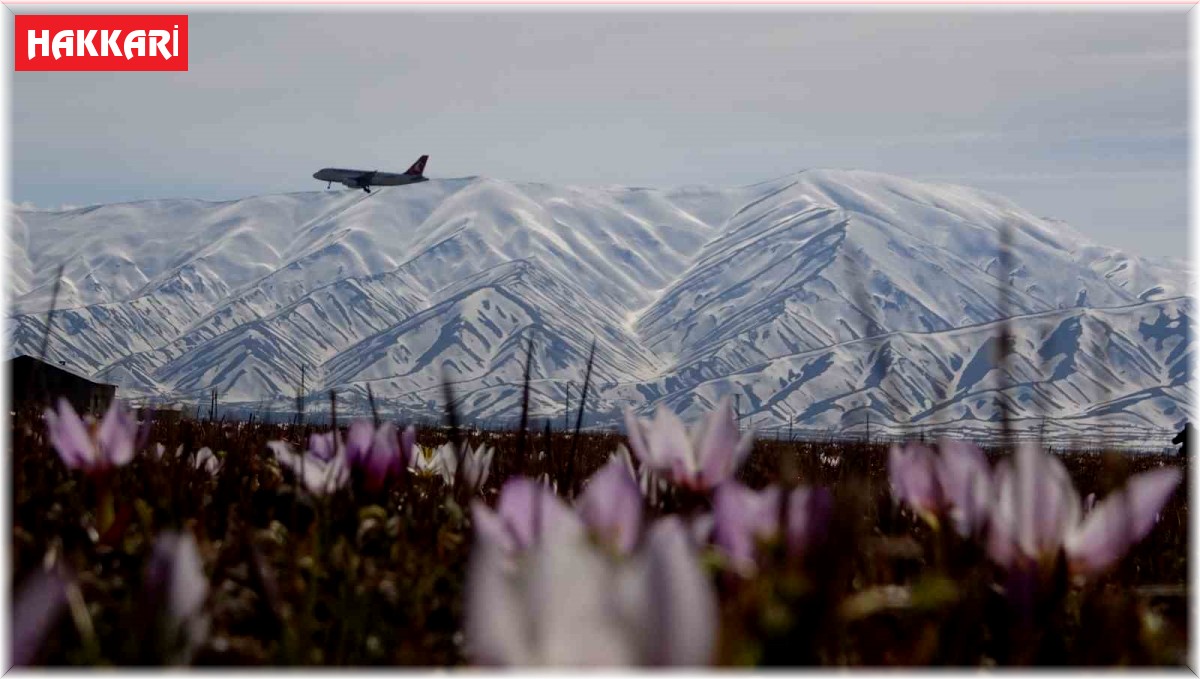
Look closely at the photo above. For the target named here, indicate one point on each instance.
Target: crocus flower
(207, 460)
(159, 450)
(1037, 513)
(325, 446)
(88, 445)
(477, 464)
(443, 461)
(564, 603)
(670, 600)
(319, 477)
(175, 580)
(428, 462)
(526, 510)
(648, 482)
(744, 518)
(611, 506)
(377, 454)
(701, 460)
(956, 483)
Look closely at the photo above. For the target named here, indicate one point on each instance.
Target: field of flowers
(209, 543)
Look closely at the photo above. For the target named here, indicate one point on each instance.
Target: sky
(1076, 115)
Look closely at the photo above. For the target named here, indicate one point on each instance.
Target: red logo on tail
(419, 166)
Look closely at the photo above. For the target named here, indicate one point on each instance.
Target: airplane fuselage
(361, 179)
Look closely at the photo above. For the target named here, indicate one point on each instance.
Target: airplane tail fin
(418, 168)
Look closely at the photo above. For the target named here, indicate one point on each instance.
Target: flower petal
(913, 476)
(496, 624)
(741, 518)
(324, 446)
(176, 578)
(69, 436)
(358, 441)
(965, 479)
(1120, 521)
(682, 605)
(637, 439)
(611, 505)
(718, 445)
(671, 449)
(531, 510)
(118, 431)
(206, 460)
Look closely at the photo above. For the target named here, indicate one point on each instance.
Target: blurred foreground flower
(744, 518)
(701, 460)
(650, 484)
(1037, 513)
(526, 511)
(88, 445)
(611, 506)
(176, 583)
(564, 603)
(955, 482)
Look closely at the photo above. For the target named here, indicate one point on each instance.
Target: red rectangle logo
(101, 42)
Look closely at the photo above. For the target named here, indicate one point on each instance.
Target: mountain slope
(817, 298)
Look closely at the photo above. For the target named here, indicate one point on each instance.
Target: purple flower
(84, 444)
(1037, 513)
(175, 580)
(956, 483)
(326, 446)
(744, 518)
(564, 603)
(611, 506)
(966, 481)
(377, 454)
(701, 460)
(525, 512)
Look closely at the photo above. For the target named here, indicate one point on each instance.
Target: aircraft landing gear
(367, 189)
(328, 185)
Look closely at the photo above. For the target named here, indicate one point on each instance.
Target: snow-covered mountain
(824, 299)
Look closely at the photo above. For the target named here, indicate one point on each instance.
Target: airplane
(362, 179)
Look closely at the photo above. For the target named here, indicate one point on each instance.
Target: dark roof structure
(33, 383)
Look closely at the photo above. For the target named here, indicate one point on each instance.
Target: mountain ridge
(680, 287)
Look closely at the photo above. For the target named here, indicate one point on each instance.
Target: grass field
(361, 578)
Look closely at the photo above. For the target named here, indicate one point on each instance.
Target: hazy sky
(1076, 115)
